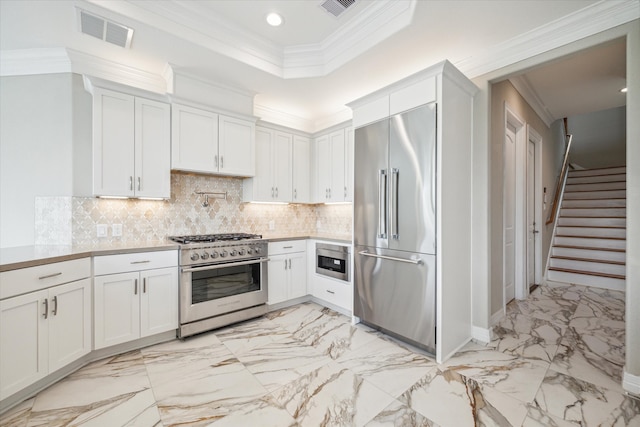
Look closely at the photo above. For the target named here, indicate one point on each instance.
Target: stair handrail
(562, 180)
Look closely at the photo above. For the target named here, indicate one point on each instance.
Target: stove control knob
(214, 254)
(223, 254)
(234, 252)
(194, 256)
(241, 252)
(204, 255)
(257, 250)
(249, 251)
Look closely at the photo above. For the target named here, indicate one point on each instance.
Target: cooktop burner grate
(208, 238)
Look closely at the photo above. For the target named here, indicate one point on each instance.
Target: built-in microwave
(333, 261)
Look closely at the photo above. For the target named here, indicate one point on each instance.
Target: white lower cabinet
(287, 271)
(42, 331)
(134, 304)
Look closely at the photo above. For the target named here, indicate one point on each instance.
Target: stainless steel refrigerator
(395, 225)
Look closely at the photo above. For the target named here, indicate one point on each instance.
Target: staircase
(590, 237)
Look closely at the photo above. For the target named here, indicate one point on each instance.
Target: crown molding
(24, 62)
(524, 88)
(585, 22)
(282, 118)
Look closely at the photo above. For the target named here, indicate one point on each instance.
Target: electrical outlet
(101, 230)
(116, 230)
(272, 225)
(318, 225)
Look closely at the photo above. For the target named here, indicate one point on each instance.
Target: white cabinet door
(281, 161)
(158, 301)
(236, 147)
(337, 189)
(152, 149)
(69, 323)
(261, 185)
(277, 276)
(113, 141)
(348, 164)
(297, 275)
(116, 309)
(194, 139)
(323, 169)
(23, 342)
(301, 166)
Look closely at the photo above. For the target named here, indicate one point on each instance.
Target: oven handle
(227, 264)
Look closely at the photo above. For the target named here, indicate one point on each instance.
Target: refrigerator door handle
(393, 212)
(391, 258)
(382, 204)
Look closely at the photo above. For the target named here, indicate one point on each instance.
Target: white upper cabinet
(330, 167)
(348, 164)
(272, 180)
(131, 146)
(194, 139)
(203, 141)
(301, 166)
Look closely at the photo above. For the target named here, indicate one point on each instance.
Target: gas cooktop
(210, 238)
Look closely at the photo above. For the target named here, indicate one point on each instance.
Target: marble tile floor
(556, 359)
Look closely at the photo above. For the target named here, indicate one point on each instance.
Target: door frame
(520, 221)
(534, 136)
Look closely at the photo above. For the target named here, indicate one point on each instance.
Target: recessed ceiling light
(623, 90)
(274, 19)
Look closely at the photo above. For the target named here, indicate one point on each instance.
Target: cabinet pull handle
(55, 305)
(295, 193)
(135, 287)
(272, 192)
(331, 292)
(144, 285)
(345, 191)
(141, 262)
(46, 308)
(139, 183)
(287, 247)
(49, 276)
(285, 264)
(289, 263)
(131, 183)
(221, 162)
(276, 192)
(216, 160)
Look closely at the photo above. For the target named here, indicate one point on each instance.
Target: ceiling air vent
(336, 7)
(104, 29)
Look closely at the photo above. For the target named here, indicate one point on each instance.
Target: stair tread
(593, 237)
(599, 169)
(592, 217)
(600, 200)
(594, 191)
(601, 261)
(589, 273)
(590, 248)
(593, 226)
(595, 182)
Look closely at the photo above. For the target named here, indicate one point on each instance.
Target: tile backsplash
(73, 220)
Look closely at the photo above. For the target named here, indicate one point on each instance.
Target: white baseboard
(631, 383)
(482, 335)
(497, 316)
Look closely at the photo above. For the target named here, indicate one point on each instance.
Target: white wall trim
(25, 62)
(631, 383)
(497, 316)
(585, 22)
(481, 334)
(282, 118)
(524, 88)
(533, 135)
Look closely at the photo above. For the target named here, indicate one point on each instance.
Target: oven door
(212, 290)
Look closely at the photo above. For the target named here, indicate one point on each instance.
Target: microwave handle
(227, 264)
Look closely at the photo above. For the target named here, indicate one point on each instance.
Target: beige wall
(504, 93)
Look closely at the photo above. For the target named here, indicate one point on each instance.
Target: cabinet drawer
(24, 280)
(123, 263)
(287, 247)
(334, 292)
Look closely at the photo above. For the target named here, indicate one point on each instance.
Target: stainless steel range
(223, 280)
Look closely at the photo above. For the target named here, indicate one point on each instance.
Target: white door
(237, 147)
(113, 144)
(158, 301)
(297, 275)
(509, 217)
(116, 309)
(23, 341)
(301, 165)
(152, 149)
(282, 166)
(278, 272)
(531, 215)
(69, 323)
(194, 139)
